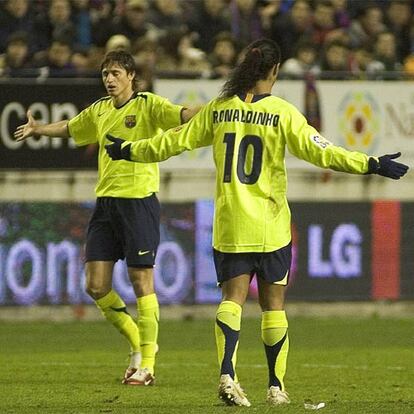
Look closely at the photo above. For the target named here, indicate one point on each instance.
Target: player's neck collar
(250, 98)
(134, 95)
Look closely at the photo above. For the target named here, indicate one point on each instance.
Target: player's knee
(272, 303)
(143, 289)
(142, 281)
(96, 291)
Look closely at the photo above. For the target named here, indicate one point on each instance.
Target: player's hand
(387, 167)
(116, 151)
(27, 130)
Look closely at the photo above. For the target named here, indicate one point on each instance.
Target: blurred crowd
(331, 39)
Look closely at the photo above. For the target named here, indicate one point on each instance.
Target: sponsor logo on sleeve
(321, 141)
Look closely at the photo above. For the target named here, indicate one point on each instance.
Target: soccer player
(249, 130)
(125, 223)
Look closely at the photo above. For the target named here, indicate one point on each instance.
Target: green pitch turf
(354, 366)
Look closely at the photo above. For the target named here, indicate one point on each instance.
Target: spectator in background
(145, 54)
(55, 24)
(269, 10)
(224, 55)
(118, 42)
(385, 54)
(85, 62)
(409, 67)
(191, 59)
(209, 18)
(398, 19)
(288, 28)
(101, 19)
(81, 17)
(335, 61)
(304, 61)
(133, 22)
(362, 58)
(366, 26)
(15, 15)
(168, 52)
(324, 25)
(245, 21)
(166, 15)
(15, 61)
(56, 61)
(341, 13)
(178, 53)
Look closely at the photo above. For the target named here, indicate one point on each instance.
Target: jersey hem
(253, 248)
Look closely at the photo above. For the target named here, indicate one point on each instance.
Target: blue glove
(115, 151)
(386, 167)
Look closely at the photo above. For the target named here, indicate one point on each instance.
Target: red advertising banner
(386, 248)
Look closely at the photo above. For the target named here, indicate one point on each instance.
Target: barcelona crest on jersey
(130, 121)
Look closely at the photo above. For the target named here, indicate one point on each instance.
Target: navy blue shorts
(273, 267)
(124, 228)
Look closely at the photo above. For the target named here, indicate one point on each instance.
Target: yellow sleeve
(305, 142)
(166, 114)
(82, 128)
(196, 133)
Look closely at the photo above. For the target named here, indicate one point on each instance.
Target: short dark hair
(123, 59)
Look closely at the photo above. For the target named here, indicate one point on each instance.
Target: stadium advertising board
(332, 258)
(341, 251)
(49, 101)
(41, 254)
(373, 117)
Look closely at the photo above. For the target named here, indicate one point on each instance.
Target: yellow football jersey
(249, 136)
(143, 116)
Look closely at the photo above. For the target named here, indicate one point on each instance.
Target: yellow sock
(148, 318)
(227, 329)
(276, 342)
(114, 310)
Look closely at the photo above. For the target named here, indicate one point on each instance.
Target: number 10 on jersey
(244, 177)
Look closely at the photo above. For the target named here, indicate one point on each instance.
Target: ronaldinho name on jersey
(248, 117)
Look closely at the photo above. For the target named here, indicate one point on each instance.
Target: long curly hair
(259, 57)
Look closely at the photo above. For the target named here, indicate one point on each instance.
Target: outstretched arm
(306, 143)
(194, 134)
(32, 128)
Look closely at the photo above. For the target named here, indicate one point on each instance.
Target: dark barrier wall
(51, 101)
(341, 251)
(407, 251)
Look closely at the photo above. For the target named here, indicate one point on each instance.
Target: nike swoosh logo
(124, 310)
(101, 114)
(142, 252)
(147, 382)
